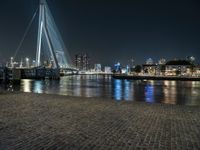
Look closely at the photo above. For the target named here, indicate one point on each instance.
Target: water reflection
(149, 93)
(122, 89)
(26, 85)
(128, 90)
(169, 89)
(118, 89)
(171, 92)
(38, 87)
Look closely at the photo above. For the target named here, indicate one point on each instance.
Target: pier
(40, 73)
(16, 74)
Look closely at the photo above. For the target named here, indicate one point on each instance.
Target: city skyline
(108, 31)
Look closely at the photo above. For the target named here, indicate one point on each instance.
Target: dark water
(171, 92)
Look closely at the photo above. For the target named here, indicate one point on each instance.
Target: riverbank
(33, 121)
(143, 77)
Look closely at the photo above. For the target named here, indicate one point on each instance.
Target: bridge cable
(25, 34)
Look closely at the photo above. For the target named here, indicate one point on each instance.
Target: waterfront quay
(146, 77)
(16, 74)
(34, 121)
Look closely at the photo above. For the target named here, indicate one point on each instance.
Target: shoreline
(97, 99)
(139, 77)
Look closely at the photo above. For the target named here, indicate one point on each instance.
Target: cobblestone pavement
(33, 121)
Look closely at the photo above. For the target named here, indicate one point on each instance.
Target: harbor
(99, 75)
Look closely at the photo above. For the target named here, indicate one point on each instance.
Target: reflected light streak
(38, 87)
(127, 90)
(26, 85)
(149, 93)
(166, 83)
(169, 92)
(77, 88)
(173, 83)
(118, 89)
(88, 91)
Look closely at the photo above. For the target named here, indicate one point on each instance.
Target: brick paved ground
(31, 121)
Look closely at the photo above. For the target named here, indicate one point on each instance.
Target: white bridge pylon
(49, 40)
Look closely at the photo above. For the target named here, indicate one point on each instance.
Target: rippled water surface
(171, 92)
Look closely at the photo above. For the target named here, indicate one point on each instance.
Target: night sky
(108, 30)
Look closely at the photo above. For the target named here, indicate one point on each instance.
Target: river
(168, 92)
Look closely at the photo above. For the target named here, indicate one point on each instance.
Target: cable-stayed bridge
(49, 40)
(50, 46)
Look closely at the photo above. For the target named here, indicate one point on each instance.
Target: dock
(145, 77)
(16, 74)
(40, 73)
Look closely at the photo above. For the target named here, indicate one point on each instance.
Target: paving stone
(34, 121)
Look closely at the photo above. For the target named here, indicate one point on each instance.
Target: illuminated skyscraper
(82, 61)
